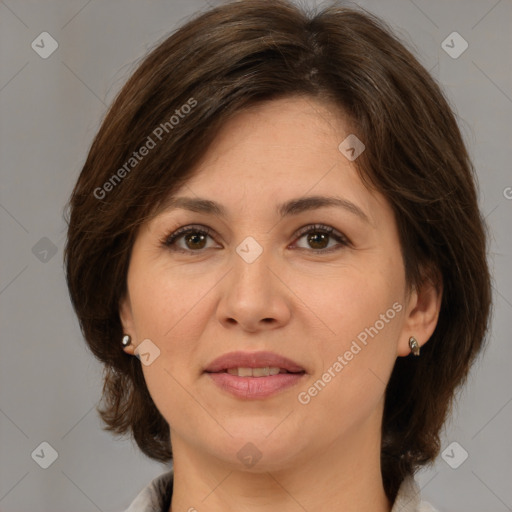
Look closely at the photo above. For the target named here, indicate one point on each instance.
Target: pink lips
(254, 387)
(252, 360)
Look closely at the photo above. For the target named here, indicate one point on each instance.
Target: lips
(254, 376)
(233, 360)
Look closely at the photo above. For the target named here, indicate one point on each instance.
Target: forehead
(286, 147)
(291, 127)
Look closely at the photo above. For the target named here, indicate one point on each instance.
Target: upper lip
(252, 360)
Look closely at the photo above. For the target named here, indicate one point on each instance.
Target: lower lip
(255, 387)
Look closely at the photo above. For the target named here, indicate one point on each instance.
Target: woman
(276, 250)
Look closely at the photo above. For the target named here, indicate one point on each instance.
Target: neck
(346, 476)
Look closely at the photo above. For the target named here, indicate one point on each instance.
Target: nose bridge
(251, 263)
(252, 296)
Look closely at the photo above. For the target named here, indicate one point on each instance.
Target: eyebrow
(291, 207)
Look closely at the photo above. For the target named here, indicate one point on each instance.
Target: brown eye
(318, 237)
(318, 240)
(194, 239)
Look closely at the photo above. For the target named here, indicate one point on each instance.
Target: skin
(307, 306)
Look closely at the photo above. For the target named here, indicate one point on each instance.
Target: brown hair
(232, 57)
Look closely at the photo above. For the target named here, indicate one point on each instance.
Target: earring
(415, 347)
(126, 340)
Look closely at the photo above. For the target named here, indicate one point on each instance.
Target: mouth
(254, 375)
(257, 372)
(259, 363)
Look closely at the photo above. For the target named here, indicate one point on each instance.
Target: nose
(253, 297)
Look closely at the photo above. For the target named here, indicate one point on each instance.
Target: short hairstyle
(228, 59)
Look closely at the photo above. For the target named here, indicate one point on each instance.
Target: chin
(259, 449)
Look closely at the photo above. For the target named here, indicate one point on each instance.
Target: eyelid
(174, 234)
(343, 240)
(320, 227)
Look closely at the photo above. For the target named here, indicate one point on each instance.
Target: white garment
(156, 497)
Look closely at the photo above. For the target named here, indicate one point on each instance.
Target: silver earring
(415, 347)
(126, 340)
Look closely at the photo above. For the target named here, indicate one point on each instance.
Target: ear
(422, 313)
(126, 317)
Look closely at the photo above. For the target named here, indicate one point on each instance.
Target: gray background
(50, 110)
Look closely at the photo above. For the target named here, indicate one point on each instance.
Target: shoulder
(408, 498)
(156, 496)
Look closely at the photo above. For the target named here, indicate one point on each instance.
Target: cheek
(163, 300)
(362, 318)
(356, 363)
(171, 309)
(347, 301)
(168, 309)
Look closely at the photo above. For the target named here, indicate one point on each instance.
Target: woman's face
(335, 304)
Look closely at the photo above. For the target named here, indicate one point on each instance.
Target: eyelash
(169, 240)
